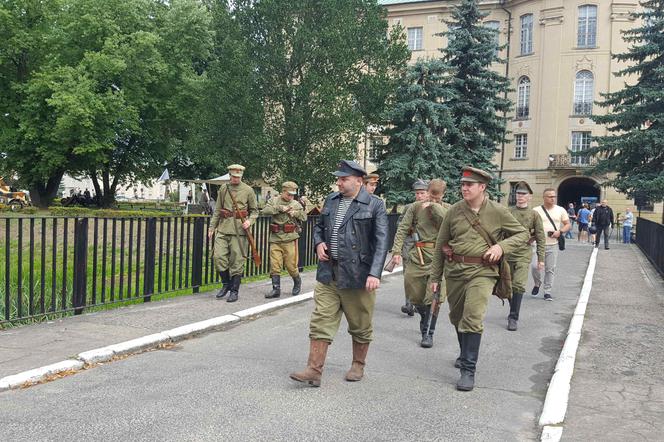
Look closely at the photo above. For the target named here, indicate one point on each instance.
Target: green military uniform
(424, 223)
(408, 244)
(230, 239)
(470, 282)
(284, 233)
(519, 259)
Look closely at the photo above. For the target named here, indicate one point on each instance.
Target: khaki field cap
(371, 178)
(420, 185)
(290, 186)
(523, 187)
(236, 170)
(473, 175)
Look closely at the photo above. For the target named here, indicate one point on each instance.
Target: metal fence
(650, 239)
(64, 265)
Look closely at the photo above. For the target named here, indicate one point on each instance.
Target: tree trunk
(42, 195)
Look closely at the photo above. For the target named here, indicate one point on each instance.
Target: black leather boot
(297, 285)
(515, 307)
(470, 350)
(226, 281)
(457, 363)
(276, 287)
(421, 310)
(427, 338)
(235, 288)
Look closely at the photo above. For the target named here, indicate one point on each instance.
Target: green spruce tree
(417, 126)
(634, 149)
(478, 102)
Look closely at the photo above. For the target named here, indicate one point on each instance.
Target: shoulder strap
(550, 219)
(475, 222)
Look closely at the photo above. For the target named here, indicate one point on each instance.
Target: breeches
(330, 302)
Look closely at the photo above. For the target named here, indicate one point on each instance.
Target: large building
(559, 61)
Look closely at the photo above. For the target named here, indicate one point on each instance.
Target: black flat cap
(349, 168)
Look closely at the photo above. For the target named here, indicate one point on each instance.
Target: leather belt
(230, 214)
(428, 245)
(468, 259)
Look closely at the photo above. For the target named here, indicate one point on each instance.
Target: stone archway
(573, 189)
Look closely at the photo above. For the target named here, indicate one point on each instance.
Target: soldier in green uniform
(423, 219)
(519, 260)
(371, 182)
(286, 214)
(229, 232)
(420, 192)
(470, 264)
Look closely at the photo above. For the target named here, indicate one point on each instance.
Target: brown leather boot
(359, 357)
(317, 354)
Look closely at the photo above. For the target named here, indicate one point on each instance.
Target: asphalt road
(234, 385)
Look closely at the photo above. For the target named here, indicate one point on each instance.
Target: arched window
(587, 33)
(523, 98)
(526, 34)
(583, 93)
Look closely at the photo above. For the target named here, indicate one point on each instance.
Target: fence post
(148, 269)
(302, 245)
(80, 264)
(197, 254)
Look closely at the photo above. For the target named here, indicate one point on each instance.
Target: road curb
(557, 395)
(138, 345)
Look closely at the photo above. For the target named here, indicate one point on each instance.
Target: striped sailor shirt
(344, 204)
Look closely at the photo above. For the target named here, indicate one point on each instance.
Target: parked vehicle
(15, 200)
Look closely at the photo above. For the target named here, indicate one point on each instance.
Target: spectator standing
(554, 227)
(571, 212)
(628, 220)
(603, 220)
(583, 218)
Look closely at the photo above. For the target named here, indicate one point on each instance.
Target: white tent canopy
(218, 180)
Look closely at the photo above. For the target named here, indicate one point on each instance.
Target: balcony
(567, 161)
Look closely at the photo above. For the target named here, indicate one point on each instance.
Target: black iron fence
(63, 265)
(650, 239)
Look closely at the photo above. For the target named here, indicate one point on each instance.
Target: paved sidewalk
(31, 346)
(617, 391)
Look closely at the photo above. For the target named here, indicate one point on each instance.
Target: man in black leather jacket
(351, 243)
(603, 219)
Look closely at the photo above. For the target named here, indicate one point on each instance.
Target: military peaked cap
(371, 178)
(236, 170)
(523, 187)
(349, 168)
(473, 175)
(420, 185)
(290, 186)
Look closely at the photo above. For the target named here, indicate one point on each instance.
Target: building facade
(558, 55)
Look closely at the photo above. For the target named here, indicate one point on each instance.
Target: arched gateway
(578, 189)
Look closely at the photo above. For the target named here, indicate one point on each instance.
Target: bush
(108, 213)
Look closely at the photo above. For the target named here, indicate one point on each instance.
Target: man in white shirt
(553, 228)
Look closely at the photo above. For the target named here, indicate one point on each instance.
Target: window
(580, 143)
(375, 149)
(523, 98)
(415, 39)
(583, 93)
(527, 34)
(520, 146)
(511, 200)
(495, 27)
(587, 37)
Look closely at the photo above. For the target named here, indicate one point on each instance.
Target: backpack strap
(550, 219)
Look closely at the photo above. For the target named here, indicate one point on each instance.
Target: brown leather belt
(238, 214)
(428, 245)
(468, 259)
(286, 228)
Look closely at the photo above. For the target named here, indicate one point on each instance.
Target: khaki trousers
(230, 253)
(330, 302)
(283, 254)
(468, 301)
(519, 272)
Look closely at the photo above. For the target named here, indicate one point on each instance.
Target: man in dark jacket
(351, 243)
(603, 220)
